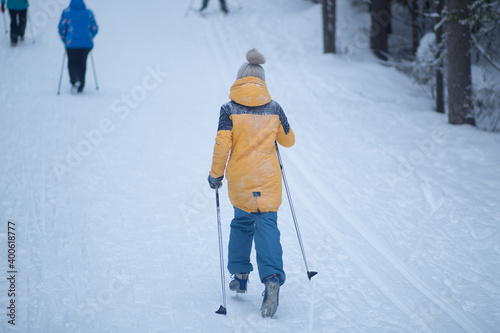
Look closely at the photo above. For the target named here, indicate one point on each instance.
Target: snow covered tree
(421, 22)
(380, 27)
(329, 26)
(484, 20)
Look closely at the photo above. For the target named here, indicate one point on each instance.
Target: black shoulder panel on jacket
(271, 108)
(225, 123)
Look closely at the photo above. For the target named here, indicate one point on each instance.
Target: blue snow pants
(263, 228)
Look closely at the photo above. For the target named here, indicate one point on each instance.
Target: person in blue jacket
(77, 29)
(18, 10)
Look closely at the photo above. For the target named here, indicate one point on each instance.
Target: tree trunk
(439, 72)
(459, 64)
(380, 25)
(415, 27)
(329, 26)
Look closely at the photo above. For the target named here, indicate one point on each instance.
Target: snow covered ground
(115, 226)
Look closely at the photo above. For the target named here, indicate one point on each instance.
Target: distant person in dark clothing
(18, 10)
(223, 6)
(77, 29)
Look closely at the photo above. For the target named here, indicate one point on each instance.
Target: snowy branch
(484, 53)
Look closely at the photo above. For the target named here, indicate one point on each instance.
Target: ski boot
(76, 87)
(239, 283)
(271, 296)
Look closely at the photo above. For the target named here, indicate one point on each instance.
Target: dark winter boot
(239, 283)
(271, 296)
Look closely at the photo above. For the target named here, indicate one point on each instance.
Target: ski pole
(31, 28)
(310, 274)
(93, 66)
(62, 69)
(5, 23)
(222, 308)
(189, 8)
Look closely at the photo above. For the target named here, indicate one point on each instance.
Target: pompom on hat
(253, 66)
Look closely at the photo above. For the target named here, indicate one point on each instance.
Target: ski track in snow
(399, 212)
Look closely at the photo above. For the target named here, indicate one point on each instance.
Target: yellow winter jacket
(249, 126)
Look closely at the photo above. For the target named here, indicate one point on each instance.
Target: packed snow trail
(116, 227)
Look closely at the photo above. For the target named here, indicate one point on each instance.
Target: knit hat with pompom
(253, 66)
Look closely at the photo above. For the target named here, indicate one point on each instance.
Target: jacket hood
(77, 4)
(250, 91)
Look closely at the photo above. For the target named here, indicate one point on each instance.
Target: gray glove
(215, 183)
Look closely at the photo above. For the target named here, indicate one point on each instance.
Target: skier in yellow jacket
(249, 126)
